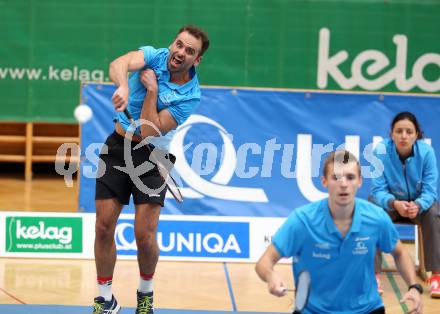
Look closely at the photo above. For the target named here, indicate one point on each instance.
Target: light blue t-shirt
(179, 100)
(341, 269)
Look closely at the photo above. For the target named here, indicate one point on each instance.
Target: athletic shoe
(435, 286)
(379, 284)
(145, 303)
(106, 307)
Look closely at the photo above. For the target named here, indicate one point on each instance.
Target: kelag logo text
(44, 234)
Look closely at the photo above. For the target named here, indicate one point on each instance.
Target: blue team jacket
(415, 180)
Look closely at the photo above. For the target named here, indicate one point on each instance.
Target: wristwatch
(416, 286)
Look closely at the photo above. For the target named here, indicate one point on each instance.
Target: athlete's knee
(145, 238)
(104, 230)
(107, 212)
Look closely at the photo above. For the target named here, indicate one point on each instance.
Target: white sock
(145, 285)
(105, 290)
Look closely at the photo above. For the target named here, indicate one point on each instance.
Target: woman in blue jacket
(407, 187)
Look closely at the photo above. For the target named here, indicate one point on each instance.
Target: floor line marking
(395, 287)
(231, 292)
(12, 296)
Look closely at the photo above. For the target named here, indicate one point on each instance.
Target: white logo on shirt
(361, 248)
(321, 255)
(323, 246)
(362, 239)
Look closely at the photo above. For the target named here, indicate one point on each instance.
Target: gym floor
(68, 286)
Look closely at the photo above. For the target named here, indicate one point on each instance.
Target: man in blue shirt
(335, 239)
(160, 94)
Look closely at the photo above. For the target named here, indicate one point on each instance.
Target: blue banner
(180, 238)
(260, 152)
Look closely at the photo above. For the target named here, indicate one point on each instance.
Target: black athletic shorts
(146, 187)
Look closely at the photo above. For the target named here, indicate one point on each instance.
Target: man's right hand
(276, 285)
(120, 98)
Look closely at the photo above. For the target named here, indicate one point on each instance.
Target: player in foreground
(335, 240)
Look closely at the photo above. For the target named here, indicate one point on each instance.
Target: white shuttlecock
(83, 113)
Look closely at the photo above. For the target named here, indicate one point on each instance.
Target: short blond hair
(341, 157)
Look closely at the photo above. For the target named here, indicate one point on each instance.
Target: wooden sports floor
(194, 286)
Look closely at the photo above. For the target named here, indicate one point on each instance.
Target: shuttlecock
(83, 113)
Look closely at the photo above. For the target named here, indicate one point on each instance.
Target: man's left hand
(416, 299)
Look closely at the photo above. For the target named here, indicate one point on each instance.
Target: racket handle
(130, 117)
(128, 114)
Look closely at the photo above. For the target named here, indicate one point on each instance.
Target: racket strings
(164, 171)
(302, 291)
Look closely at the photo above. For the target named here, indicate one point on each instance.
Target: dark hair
(341, 157)
(406, 115)
(198, 33)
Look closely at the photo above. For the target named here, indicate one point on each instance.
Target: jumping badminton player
(162, 91)
(335, 240)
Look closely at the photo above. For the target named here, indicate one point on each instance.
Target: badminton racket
(302, 291)
(163, 171)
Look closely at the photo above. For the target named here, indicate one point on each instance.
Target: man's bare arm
(265, 270)
(118, 72)
(405, 267)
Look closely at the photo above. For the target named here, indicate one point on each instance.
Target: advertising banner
(259, 153)
(36, 234)
(180, 237)
(391, 46)
(186, 238)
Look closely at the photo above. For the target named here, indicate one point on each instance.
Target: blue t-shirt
(179, 100)
(341, 269)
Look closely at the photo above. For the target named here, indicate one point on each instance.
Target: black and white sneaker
(100, 306)
(145, 303)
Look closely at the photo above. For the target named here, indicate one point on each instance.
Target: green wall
(48, 47)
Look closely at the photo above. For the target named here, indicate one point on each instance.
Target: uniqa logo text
(196, 242)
